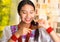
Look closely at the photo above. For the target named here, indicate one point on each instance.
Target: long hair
(36, 31)
(36, 35)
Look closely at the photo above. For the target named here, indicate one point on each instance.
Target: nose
(28, 15)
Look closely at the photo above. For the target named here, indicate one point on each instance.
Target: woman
(26, 11)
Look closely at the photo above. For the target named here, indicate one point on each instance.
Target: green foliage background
(5, 6)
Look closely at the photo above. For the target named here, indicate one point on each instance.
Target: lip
(28, 20)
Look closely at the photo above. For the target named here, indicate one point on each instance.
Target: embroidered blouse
(10, 30)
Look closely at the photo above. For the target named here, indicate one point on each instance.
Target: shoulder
(7, 32)
(10, 28)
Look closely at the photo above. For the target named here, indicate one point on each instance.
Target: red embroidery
(27, 36)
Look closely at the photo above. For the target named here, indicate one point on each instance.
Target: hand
(24, 31)
(43, 23)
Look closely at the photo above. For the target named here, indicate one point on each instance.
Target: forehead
(27, 7)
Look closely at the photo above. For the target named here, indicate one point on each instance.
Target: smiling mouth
(27, 20)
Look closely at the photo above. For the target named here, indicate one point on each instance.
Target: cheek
(32, 15)
(23, 17)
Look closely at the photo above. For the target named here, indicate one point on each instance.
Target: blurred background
(45, 9)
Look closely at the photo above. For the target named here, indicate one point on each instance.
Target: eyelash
(31, 12)
(26, 13)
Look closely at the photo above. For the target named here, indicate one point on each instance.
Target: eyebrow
(24, 10)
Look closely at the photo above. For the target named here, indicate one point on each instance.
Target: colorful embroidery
(13, 29)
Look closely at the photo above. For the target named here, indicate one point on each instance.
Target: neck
(23, 24)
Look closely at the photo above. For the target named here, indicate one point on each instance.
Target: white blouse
(43, 35)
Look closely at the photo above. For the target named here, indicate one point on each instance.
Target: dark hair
(36, 31)
(24, 2)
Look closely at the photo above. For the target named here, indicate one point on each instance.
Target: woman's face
(27, 13)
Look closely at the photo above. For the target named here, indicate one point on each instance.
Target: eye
(24, 12)
(31, 12)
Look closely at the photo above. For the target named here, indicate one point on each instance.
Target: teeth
(27, 19)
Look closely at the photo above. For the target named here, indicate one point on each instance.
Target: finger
(41, 21)
(29, 30)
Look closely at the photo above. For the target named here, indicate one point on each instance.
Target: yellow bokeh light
(5, 2)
